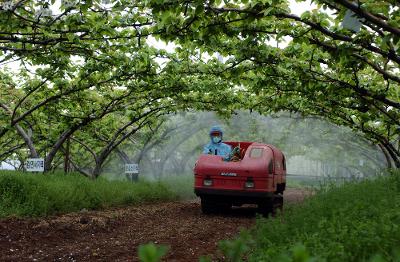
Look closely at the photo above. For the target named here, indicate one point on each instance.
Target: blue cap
(215, 129)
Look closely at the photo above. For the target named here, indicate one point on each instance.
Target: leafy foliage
(151, 252)
(322, 69)
(90, 64)
(337, 224)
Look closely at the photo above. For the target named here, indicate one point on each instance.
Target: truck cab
(257, 176)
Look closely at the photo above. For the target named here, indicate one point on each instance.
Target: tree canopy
(309, 64)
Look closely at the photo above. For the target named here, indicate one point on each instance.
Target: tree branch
(369, 16)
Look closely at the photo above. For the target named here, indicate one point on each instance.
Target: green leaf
(151, 252)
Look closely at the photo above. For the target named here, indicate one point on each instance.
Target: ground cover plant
(355, 221)
(24, 194)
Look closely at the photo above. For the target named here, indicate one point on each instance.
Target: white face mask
(216, 139)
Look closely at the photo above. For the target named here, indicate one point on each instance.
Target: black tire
(207, 207)
(223, 207)
(265, 207)
(271, 206)
(278, 204)
(280, 188)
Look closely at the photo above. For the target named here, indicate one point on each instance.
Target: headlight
(207, 182)
(249, 184)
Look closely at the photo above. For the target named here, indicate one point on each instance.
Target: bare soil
(115, 234)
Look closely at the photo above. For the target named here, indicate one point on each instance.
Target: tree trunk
(28, 141)
(66, 157)
(387, 156)
(23, 134)
(393, 154)
(117, 139)
(98, 168)
(50, 156)
(64, 136)
(123, 156)
(80, 170)
(147, 146)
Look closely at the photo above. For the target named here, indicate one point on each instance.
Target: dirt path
(114, 235)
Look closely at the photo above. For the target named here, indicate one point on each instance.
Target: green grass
(355, 221)
(26, 194)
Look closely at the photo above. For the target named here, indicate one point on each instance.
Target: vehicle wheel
(266, 207)
(271, 206)
(223, 207)
(278, 204)
(207, 207)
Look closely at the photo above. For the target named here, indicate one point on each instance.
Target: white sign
(34, 164)
(131, 168)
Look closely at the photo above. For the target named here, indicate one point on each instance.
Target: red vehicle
(257, 177)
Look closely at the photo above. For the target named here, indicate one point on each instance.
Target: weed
(354, 221)
(25, 194)
(151, 252)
